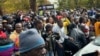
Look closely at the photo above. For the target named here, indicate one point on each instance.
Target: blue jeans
(50, 53)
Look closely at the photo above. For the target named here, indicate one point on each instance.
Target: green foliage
(63, 4)
(42, 2)
(10, 6)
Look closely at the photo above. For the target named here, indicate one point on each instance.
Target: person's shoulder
(97, 23)
(13, 34)
(55, 26)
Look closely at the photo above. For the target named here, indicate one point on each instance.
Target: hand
(46, 43)
(70, 38)
(44, 51)
(60, 45)
(98, 52)
(49, 32)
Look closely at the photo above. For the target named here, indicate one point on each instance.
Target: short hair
(48, 26)
(36, 22)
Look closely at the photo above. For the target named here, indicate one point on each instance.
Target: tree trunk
(98, 3)
(33, 5)
(1, 12)
(76, 3)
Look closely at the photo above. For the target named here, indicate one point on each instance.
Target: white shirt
(59, 30)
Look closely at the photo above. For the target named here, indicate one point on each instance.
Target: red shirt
(59, 17)
(2, 34)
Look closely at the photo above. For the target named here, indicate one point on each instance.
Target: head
(1, 27)
(50, 20)
(60, 23)
(38, 24)
(64, 14)
(76, 21)
(9, 27)
(18, 27)
(10, 19)
(59, 12)
(0, 21)
(4, 22)
(49, 27)
(82, 20)
(19, 12)
(71, 17)
(33, 43)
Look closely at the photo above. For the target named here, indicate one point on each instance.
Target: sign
(46, 7)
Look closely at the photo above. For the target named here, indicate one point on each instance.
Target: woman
(6, 47)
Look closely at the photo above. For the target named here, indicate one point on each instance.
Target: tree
(98, 3)
(62, 4)
(10, 6)
(1, 2)
(33, 4)
(90, 3)
(42, 2)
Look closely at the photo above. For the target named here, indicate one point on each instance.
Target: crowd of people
(48, 32)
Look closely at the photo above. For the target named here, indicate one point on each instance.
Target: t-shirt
(97, 28)
(2, 34)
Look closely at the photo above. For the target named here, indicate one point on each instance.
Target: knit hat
(30, 39)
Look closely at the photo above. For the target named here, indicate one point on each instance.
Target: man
(10, 20)
(31, 43)
(6, 46)
(2, 34)
(14, 36)
(38, 24)
(97, 25)
(9, 30)
(66, 23)
(64, 39)
(18, 17)
(49, 38)
(92, 13)
(78, 36)
(4, 23)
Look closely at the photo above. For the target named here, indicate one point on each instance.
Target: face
(48, 29)
(40, 25)
(40, 51)
(4, 24)
(85, 20)
(72, 18)
(10, 19)
(64, 14)
(18, 27)
(51, 20)
(60, 24)
(10, 27)
(76, 21)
